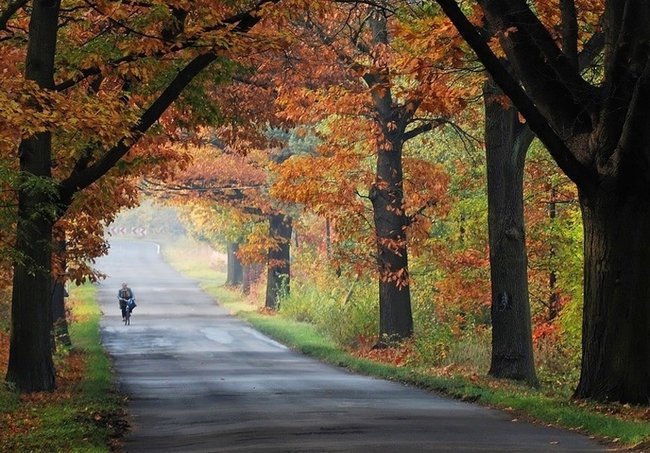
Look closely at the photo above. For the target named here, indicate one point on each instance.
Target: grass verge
(84, 413)
(617, 424)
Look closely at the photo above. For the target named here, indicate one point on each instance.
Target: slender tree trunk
(235, 270)
(30, 353)
(251, 273)
(59, 321)
(554, 295)
(279, 259)
(395, 317)
(328, 239)
(506, 143)
(616, 317)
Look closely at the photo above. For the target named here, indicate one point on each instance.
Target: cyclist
(127, 300)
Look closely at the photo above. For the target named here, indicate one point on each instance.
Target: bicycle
(127, 308)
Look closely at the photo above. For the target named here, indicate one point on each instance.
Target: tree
(596, 132)
(371, 103)
(43, 198)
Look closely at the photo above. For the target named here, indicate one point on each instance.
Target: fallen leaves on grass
(397, 356)
(26, 417)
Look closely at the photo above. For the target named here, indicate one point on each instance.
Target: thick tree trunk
(279, 259)
(506, 143)
(235, 270)
(616, 316)
(395, 317)
(30, 352)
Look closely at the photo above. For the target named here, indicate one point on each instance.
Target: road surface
(199, 380)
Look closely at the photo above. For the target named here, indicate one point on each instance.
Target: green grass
(84, 416)
(522, 401)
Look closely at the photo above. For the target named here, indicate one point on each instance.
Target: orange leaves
(398, 356)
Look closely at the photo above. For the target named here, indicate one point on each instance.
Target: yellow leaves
(257, 245)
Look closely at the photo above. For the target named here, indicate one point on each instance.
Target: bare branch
(424, 127)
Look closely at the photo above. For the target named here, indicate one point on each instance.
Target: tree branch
(592, 48)
(243, 21)
(569, 31)
(11, 9)
(79, 181)
(552, 80)
(623, 68)
(231, 195)
(422, 128)
(582, 176)
(634, 132)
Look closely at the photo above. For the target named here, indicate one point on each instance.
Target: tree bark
(30, 353)
(235, 270)
(616, 318)
(278, 260)
(506, 144)
(387, 196)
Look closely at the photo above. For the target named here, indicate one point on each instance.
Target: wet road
(199, 380)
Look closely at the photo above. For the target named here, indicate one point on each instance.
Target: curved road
(199, 380)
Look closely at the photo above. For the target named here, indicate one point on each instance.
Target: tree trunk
(30, 353)
(328, 239)
(60, 323)
(235, 270)
(554, 295)
(616, 316)
(251, 273)
(278, 262)
(506, 143)
(395, 317)
(60, 333)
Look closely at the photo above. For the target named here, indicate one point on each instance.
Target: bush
(345, 321)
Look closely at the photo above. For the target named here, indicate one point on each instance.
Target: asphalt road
(199, 380)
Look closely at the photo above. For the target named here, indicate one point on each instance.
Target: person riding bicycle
(127, 300)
